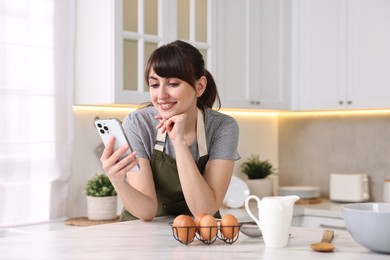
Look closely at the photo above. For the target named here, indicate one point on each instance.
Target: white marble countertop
(154, 240)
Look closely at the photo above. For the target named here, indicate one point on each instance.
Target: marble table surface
(154, 240)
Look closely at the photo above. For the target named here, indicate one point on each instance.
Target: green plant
(255, 168)
(99, 186)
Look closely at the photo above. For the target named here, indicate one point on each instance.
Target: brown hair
(182, 60)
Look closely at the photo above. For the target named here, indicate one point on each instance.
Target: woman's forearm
(199, 196)
(137, 203)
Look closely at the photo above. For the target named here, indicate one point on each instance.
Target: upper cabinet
(251, 70)
(114, 39)
(264, 54)
(241, 41)
(95, 52)
(340, 54)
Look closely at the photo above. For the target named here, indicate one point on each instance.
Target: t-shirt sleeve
(138, 137)
(224, 141)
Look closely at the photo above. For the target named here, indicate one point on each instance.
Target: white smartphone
(113, 127)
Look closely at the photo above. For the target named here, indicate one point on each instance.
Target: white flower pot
(102, 208)
(260, 187)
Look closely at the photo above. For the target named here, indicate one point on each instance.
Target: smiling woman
(185, 149)
(36, 91)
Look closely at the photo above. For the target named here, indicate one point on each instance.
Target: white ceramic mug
(274, 218)
(386, 191)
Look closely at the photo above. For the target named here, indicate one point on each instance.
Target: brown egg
(208, 227)
(198, 217)
(184, 228)
(229, 226)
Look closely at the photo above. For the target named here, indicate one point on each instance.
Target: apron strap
(200, 132)
(201, 135)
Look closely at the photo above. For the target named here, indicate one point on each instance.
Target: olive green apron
(166, 178)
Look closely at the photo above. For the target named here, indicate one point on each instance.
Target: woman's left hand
(174, 126)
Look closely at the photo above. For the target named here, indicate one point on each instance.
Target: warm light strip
(251, 112)
(337, 113)
(231, 112)
(78, 108)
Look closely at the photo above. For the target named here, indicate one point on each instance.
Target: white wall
(258, 135)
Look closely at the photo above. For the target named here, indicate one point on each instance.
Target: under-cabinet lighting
(129, 108)
(369, 112)
(250, 112)
(247, 112)
(112, 108)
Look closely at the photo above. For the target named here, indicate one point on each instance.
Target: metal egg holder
(219, 235)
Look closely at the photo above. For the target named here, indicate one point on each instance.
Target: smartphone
(113, 127)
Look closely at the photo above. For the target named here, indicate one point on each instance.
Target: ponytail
(210, 95)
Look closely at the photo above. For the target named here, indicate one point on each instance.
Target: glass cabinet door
(140, 39)
(148, 24)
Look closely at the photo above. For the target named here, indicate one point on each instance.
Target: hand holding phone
(113, 127)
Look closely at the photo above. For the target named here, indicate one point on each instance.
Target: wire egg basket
(206, 234)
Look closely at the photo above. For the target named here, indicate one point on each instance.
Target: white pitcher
(274, 218)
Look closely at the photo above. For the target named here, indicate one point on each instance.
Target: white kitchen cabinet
(251, 71)
(95, 65)
(114, 39)
(368, 52)
(340, 54)
(99, 55)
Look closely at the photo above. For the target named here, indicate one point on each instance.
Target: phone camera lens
(99, 125)
(102, 131)
(105, 128)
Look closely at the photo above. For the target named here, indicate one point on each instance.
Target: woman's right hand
(116, 169)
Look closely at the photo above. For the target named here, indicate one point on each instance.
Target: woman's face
(171, 96)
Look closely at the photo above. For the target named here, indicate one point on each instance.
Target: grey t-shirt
(221, 135)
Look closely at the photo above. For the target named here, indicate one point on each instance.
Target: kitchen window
(36, 97)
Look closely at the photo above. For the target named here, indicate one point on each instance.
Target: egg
(184, 228)
(229, 226)
(208, 228)
(198, 217)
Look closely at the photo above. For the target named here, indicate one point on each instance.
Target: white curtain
(36, 120)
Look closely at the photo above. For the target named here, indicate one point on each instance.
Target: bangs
(168, 62)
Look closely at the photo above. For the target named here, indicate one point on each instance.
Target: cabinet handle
(341, 102)
(349, 102)
(255, 102)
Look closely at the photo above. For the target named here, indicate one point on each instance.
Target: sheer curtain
(36, 120)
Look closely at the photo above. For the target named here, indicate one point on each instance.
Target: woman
(186, 150)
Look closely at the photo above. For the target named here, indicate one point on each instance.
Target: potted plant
(101, 198)
(257, 172)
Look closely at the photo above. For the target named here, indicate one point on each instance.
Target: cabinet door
(139, 33)
(318, 54)
(94, 52)
(101, 45)
(369, 53)
(250, 54)
(231, 77)
(340, 54)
